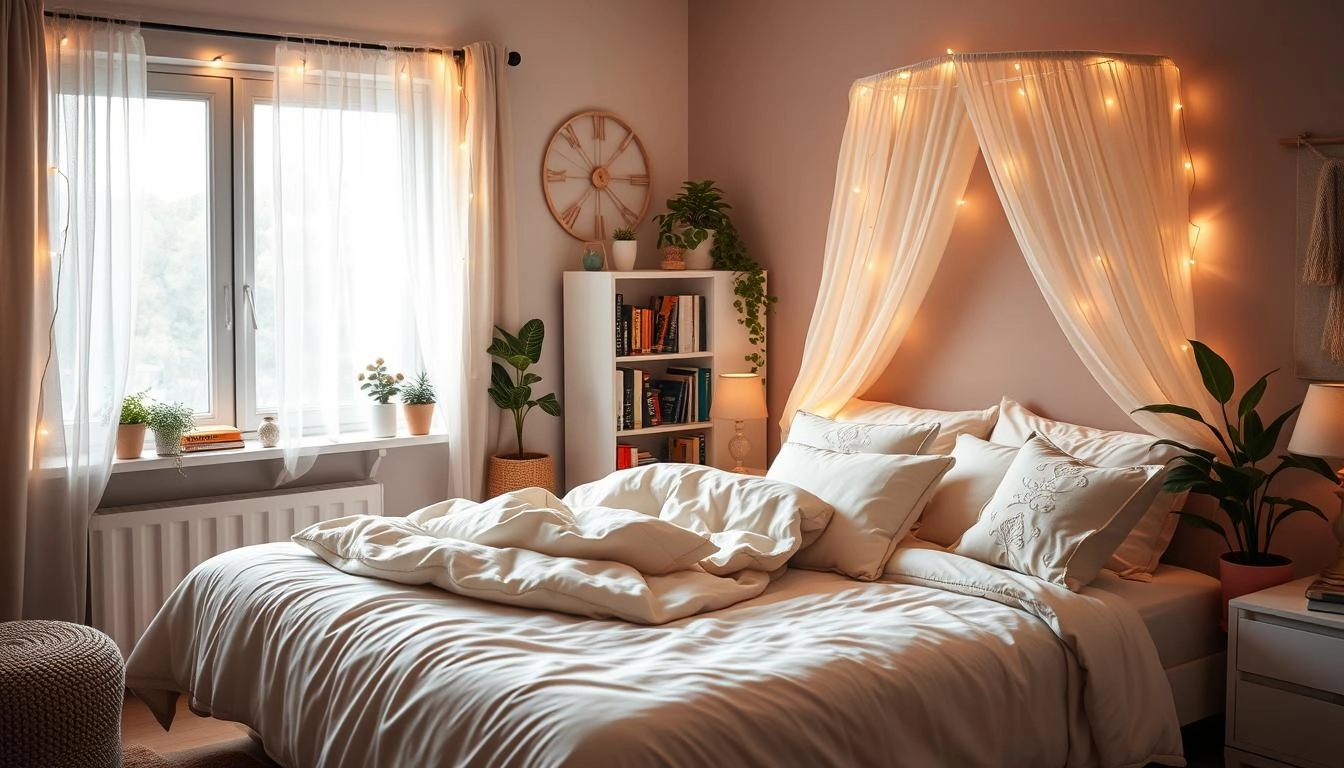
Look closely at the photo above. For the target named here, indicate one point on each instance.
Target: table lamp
(1320, 432)
(738, 396)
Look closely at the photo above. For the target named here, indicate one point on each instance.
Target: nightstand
(1285, 681)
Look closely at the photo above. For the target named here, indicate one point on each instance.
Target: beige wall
(622, 56)
(768, 84)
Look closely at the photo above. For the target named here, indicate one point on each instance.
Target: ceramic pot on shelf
(699, 257)
(623, 253)
(418, 417)
(269, 432)
(383, 420)
(1240, 579)
(168, 443)
(130, 440)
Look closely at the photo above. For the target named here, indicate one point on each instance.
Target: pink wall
(768, 84)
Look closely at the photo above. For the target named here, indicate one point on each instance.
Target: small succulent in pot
(418, 390)
(622, 233)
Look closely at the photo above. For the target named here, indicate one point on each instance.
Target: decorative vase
(269, 432)
(418, 417)
(168, 443)
(383, 420)
(514, 472)
(672, 258)
(699, 257)
(130, 440)
(623, 252)
(592, 261)
(1240, 579)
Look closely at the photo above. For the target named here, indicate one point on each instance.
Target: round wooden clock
(596, 176)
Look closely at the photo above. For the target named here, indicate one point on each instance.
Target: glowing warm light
(64, 41)
(1099, 259)
(1017, 67)
(904, 75)
(949, 51)
(1110, 102)
(856, 190)
(1189, 166)
(1022, 91)
(1191, 260)
(1185, 347)
(961, 202)
(1178, 105)
(462, 146)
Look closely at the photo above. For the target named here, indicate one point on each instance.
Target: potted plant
(624, 248)
(417, 403)
(511, 389)
(132, 424)
(1236, 480)
(691, 220)
(382, 387)
(170, 421)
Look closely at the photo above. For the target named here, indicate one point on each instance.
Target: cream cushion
(965, 489)
(876, 497)
(1058, 518)
(951, 423)
(1138, 556)
(851, 437)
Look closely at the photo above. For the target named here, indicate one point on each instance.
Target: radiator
(138, 554)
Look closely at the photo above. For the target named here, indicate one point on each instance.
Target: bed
(461, 653)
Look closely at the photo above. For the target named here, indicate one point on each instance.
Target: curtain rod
(1306, 139)
(515, 58)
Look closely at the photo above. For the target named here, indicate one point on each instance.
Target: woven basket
(533, 470)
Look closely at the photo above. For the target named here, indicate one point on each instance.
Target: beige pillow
(1138, 556)
(965, 489)
(1058, 518)
(876, 497)
(850, 437)
(951, 423)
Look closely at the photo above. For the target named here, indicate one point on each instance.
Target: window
(207, 328)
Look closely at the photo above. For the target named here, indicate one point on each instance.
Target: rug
(242, 752)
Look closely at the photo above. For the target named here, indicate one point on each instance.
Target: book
(217, 446)
(1325, 591)
(650, 401)
(1325, 606)
(620, 325)
(218, 434)
(663, 325)
(627, 397)
(625, 455)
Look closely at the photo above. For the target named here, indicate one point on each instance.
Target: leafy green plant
(170, 419)
(378, 383)
(622, 233)
(691, 215)
(135, 408)
(512, 391)
(418, 391)
(1235, 479)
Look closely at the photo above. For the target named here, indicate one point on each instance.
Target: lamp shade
(738, 396)
(1320, 423)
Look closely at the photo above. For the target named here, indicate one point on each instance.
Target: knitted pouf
(61, 688)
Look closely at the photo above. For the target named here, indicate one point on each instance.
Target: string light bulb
(949, 51)
(65, 40)
(217, 62)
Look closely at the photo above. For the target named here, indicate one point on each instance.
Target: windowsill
(352, 442)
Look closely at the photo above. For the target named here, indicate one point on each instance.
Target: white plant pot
(168, 443)
(383, 420)
(698, 257)
(623, 252)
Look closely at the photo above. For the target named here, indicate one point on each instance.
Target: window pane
(263, 244)
(172, 348)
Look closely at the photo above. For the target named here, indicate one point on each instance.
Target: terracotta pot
(418, 417)
(130, 440)
(1240, 579)
(513, 472)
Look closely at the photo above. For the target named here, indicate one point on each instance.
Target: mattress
(1179, 607)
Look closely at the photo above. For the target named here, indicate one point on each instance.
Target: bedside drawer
(1293, 655)
(1288, 724)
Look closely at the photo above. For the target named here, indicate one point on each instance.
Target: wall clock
(596, 175)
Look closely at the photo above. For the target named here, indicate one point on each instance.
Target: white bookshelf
(591, 397)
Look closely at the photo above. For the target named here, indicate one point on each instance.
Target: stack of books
(1325, 596)
(212, 439)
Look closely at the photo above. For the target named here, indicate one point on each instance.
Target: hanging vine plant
(691, 215)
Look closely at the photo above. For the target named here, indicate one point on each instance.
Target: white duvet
(335, 669)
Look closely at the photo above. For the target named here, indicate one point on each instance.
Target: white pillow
(952, 423)
(876, 497)
(849, 437)
(547, 525)
(965, 489)
(1058, 518)
(1138, 556)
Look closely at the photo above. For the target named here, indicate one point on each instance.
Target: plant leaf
(548, 404)
(1200, 452)
(530, 338)
(1215, 371)
(1264, 446)
(1252, 396)
(1179, 410)
(1313, 464)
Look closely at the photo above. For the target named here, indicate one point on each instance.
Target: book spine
(650, 398)
(620, 337)
(1325, 606)
(627, 398)
(701, 334)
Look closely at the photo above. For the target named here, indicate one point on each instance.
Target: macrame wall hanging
(1318, 346)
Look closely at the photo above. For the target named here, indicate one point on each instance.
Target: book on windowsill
(197, 447)
(218, 434)
(1325, 606)
(1326, 592)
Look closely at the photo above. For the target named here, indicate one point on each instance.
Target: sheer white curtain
(1087, 154)
(95, 110)
(907, 154)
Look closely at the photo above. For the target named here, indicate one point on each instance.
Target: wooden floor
(138, 726)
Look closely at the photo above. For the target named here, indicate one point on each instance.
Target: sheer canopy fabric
(1087, 155)
(97, 86)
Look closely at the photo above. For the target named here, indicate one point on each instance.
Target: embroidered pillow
(951, 423)
(1138, 556)
(1058, 518)
(821, 432)
(964, 490)
(876, 497)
